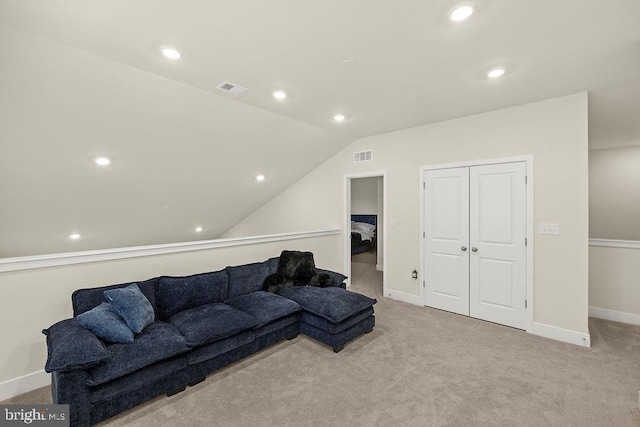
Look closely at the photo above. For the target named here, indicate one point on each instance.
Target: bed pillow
(106, 323)
(364, 226)
(132, 305)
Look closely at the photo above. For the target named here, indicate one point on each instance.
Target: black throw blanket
(295, 268)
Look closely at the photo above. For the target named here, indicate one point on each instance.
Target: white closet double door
(475, 228)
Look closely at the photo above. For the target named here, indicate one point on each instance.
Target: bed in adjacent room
(363, 233)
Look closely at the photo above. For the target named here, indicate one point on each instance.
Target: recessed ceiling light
(339, 117)
(279, 94)
(260, 178)
(461, 13)
(198, 229)
(102, 161)
(495, 72)
(74, 236)
(171, 53)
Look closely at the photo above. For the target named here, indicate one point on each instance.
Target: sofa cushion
(143, 378)
(132, 306)
(71, 347)
(158, 341)
(210, 322)
(85, 299)
(216, 348)
(335, 328)
(279, 324)
(246, 278)
(106, 323)
(176, 294)
(333, 304)
(264, 306)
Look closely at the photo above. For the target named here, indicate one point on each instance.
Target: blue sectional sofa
(199, 324)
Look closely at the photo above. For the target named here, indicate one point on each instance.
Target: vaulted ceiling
(85, 78)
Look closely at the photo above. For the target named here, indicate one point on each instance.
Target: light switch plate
(550, 229)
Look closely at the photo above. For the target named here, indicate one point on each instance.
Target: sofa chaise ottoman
(333, 316)
(329, 314)
(198, 324)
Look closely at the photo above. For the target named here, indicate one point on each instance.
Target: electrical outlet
(550, 229)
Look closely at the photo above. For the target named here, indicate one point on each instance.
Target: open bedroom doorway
(365, 197)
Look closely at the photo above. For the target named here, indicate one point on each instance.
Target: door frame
(347, 222)
(529, 218)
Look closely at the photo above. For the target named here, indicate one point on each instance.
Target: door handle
(474, 249)
(464, 248)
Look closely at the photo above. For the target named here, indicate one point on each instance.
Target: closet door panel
(497, 231)
(446, 239)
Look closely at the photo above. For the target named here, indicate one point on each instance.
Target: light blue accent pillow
(106, 323)
(132, 305)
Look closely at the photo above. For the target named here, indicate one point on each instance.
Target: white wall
(364, 196)
(553, 131)
(614, 193)
(614, 283)
(35, 299)
(614, 214)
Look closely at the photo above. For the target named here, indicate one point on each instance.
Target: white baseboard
(540, 329)
(616, 316)
(24, 384)
(404, 297)
(379, 267)
(560, 334)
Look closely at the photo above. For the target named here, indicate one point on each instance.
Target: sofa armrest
(70, 388)
(71, 347)
(337, 279)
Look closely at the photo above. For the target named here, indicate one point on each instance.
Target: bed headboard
(369, 219)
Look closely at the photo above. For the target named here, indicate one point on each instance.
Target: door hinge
(423, 235)
(424, 185)
(526, 179)
(423, 284)
(526, 241)
(525, 303)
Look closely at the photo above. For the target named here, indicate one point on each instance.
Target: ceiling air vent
(231, 88)
(362, 156)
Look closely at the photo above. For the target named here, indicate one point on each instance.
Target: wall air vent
(231, 88)
(362, 156)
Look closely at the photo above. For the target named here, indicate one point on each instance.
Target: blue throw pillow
(106, 323)
(132, 305)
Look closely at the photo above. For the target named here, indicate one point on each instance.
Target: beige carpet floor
(419, 367)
